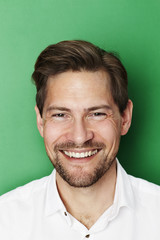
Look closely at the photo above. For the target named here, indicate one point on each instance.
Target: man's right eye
(58, 115)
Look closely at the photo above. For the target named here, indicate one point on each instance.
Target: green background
(129, 27)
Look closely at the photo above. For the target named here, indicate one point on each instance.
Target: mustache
(87, 144)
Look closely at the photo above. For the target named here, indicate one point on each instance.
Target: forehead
(81, 87)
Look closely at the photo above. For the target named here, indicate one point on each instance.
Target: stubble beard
(79, 178)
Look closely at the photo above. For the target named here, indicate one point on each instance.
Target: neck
(80, 202)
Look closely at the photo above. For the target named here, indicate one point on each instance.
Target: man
(82, 111)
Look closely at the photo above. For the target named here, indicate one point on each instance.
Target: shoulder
(19, 207)
(145, 192)
(144, 186)
(23, 193)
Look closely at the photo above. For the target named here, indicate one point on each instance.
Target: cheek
(53, 134)
(109, 131)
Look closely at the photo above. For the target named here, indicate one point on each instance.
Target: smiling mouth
(84, 154)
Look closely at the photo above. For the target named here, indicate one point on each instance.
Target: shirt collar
(124, 196)
(53, 200)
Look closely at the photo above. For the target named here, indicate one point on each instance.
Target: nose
(79, 132)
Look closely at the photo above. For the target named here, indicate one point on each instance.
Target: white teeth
(73, 154)
(80, 155)
(77, 155)
(67, 153)
(86, 154)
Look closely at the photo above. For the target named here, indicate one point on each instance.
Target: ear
(127, 117)
(39, 121)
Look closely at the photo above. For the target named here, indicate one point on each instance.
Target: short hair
(78, 55)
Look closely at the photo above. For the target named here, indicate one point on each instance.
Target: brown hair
(78, 55)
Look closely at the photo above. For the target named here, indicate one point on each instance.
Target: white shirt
(36, 212)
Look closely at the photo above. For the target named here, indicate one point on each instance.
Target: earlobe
(39, 121)
(127, 117)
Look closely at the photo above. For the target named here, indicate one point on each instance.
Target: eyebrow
(99, 107)
(52, 108)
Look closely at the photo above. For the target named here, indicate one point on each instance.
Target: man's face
(81, 126)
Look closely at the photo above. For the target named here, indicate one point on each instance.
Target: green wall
(129, 27)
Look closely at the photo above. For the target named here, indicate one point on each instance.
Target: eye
(97, 115)
(58, 115)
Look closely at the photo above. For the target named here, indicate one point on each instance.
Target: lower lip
(79, 160)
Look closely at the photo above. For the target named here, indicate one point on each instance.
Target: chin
(80, 177)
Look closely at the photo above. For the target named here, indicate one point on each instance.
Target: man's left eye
(97, 114)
